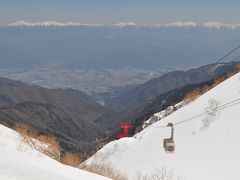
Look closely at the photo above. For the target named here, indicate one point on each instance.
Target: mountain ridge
(145, 93)
(179, 24)
(70, 115)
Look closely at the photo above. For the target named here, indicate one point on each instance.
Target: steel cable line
(237, 58)
(217, 108)
(222, 58)
(224, 106)
(232, 51)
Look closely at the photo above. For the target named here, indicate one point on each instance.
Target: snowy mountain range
(49, 23)
(206, 141)
(179, 24)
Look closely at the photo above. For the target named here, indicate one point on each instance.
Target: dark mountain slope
(147, 92)
(71, 100)
(70, 115)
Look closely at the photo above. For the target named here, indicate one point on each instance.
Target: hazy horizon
(138, 11)
(96, 47)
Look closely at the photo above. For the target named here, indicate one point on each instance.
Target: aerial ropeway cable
(224, 106)
(168, 143)
(229, 53)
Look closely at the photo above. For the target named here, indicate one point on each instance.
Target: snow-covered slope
(20, 162)
(207, 147)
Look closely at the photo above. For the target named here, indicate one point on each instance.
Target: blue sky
(114, 11)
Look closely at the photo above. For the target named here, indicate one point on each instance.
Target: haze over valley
(105, 61)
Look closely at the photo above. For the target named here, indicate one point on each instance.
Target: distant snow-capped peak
(50, 23)
(125, 24)
(190, 24)
(178, 24)
(218, 25)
